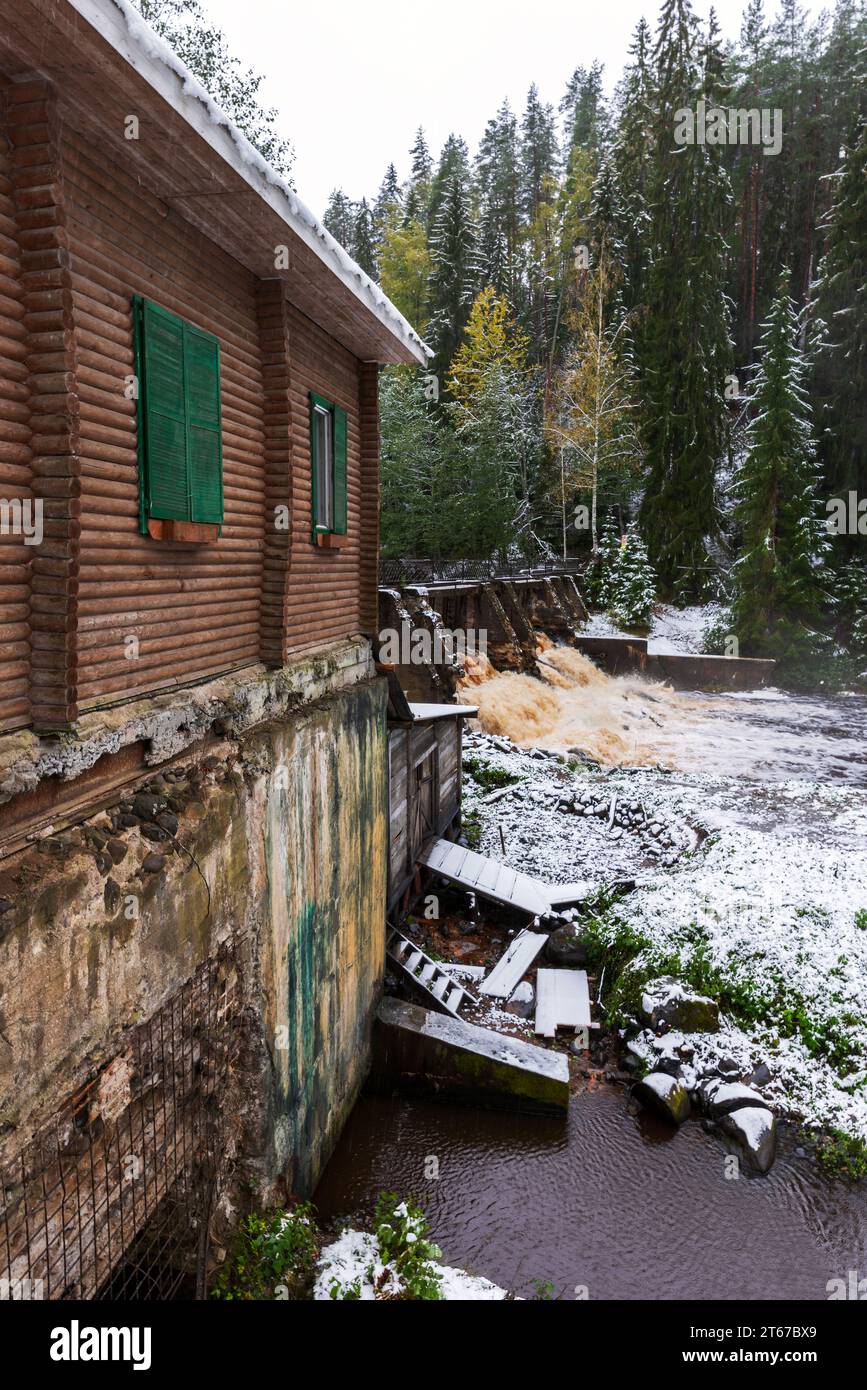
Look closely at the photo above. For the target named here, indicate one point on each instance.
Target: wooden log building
(194, 819)
(188, 383)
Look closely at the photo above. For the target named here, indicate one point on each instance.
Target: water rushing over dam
(628, 721)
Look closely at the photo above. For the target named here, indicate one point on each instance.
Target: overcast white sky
(353, 79)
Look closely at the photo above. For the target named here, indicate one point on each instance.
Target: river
(617, 1205)
(609, 1201)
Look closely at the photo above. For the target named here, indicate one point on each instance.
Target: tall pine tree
(841, 361)
(339, 219)
(777, 593)
(685, 348)
(455, 273)
(498, 182)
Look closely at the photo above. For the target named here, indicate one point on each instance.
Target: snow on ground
(769, 901)
(672, 629)
(353, 1263)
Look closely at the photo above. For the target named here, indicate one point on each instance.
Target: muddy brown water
(618, 1204)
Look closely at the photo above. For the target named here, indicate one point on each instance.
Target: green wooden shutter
(163, 413)
(204, 443)
(180, 443)
(340, 483)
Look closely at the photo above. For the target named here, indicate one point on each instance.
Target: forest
(648, 316)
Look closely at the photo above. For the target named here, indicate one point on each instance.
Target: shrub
(271, 1257)
(401, 1230)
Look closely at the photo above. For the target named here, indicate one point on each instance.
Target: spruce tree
(841, 361)
(417, 206)
(389, 198)
(684, 344)
(498, 186)
(339, 219)
(601, 574)
(630, 163)
(539, 152)
(454, 275)
(777, 589)
(454, 162)
(415, 448)
(632, 583)
(539, 198)
(364, 240)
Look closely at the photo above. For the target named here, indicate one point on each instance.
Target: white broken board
(508, 973)
(485, 876)
(564, 894)
(562, 1001)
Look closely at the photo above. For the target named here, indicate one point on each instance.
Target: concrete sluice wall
(502, 616)
(509, 615)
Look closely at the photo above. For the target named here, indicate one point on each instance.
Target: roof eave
(129, 35)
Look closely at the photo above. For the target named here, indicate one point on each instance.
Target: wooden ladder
(428, 979)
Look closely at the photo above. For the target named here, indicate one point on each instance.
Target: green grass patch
(489, 779)
(471, 825)
(768, 1000)
(843, 1155)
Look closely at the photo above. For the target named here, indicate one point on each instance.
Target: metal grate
(112, 1198)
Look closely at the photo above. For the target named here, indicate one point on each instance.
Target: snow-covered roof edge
(123, 27)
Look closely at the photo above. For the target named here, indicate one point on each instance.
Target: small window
(179, 422)
(328, 464)
(323, 492)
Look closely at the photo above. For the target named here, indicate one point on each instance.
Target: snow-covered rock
(755, 1133)
(666, 1095)
(720, 1098)
(667, 1001)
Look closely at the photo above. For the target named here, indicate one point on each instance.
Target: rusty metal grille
(112, 1199)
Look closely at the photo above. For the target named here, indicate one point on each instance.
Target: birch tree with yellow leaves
(592, 415)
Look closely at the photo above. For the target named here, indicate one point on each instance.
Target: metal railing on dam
(427, 571)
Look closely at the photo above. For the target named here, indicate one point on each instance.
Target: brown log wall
(15, 450)
(40, 218)
(194, 609)
(79, 236)
(325, 598)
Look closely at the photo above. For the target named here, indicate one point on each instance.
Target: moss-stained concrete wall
(323, 956)
(275, 837)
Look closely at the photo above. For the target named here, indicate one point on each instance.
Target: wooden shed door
(424, 801)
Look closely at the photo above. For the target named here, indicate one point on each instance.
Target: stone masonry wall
(278, 837)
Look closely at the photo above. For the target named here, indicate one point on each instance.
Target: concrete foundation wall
(281, 845)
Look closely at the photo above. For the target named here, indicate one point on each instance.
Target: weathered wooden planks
(486, 876)
(562, 1001)
(508, 973)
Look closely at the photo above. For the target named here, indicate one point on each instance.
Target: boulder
(666, 1001)
(671, 1052)
(146, 805)
(754, 1131)
(523, 1002)
(565, 948)
(723, 1097)
(664, 1094)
